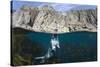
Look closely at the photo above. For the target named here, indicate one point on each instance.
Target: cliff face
(82, 20)
(46, 19)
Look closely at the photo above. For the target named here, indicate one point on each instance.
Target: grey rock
(46, 19)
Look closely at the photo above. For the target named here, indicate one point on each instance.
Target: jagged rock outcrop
(47, 19)
(82, 20)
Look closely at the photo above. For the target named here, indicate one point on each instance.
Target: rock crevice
(46, 19)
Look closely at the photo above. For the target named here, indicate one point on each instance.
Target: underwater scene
(52, 33)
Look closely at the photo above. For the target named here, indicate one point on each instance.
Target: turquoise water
(75, 46)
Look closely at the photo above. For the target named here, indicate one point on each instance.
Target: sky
(58, 6)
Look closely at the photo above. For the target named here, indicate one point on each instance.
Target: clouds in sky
(57, 6)
(63, 7)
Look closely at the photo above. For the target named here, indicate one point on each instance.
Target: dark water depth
(74, 47)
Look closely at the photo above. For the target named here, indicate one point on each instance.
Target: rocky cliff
(47, 19)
